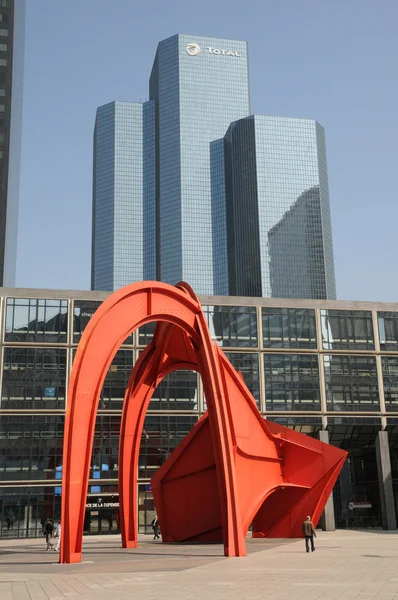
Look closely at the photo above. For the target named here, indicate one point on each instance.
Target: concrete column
(327, 522)
(388, 517)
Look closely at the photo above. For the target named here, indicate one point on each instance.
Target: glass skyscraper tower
(189, 186)
(12, 50)
(278, 216)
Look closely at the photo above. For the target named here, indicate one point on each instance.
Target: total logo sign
(193, 49)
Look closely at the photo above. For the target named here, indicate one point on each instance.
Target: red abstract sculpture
(231, 469)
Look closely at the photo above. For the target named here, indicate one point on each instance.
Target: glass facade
(190, 187)
(292, 382)
(347, 330)
(289, 328)
(12, 51)
(351, 383)
(197, 93)
(388, 330)
(279, 234)
(233, 326)
(310, 367)
(123, 228)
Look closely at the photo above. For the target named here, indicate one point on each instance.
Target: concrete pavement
(345, 565)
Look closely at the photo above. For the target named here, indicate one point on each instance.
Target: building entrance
(146, 508)
(102, 515)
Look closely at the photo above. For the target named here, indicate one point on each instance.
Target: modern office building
(123, 220)
(12, 47)
(223, 181)
(279, 231)
(325, 368)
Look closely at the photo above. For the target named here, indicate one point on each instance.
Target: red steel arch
(231, 469)
(124, 311)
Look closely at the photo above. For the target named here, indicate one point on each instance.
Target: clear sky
(332, 60)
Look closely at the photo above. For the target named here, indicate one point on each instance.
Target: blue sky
(334, 61)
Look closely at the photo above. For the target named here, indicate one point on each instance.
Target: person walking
(156, 528)
(309, 534)
(49, 532)
(58, 535)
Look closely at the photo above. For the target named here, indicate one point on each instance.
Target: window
(30, 446)
(3, 32)
(288, 328)
(177, 391)
(160, 436)
(145, 333)
(390, 379)
(3, 2)
(351, 383)
(388, 330)
(291, 382)
(34, 320)
(3, 62)
(3, 17)
(83, 310)
(18, 502)
(347, 330)
(2, 107)
(233, 326)
(3, 47)
(2, 92)
(34, 378)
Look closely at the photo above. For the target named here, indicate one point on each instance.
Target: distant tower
(188, 186)
(12, 47)
(278, 215)
(124, 202)
(199, 85)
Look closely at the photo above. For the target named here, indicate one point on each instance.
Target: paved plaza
(345, 565)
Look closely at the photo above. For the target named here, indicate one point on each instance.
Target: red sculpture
(232, 468)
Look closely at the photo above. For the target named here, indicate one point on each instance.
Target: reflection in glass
(161, 435)
(289, 328)
(390, 379)
(34, 378)
(33, 320)
(279, 234)
(291, 382)
(233, 326)
(83, 310)
(145, 333)
(351, 383)
(177, 391)
(30, 446)
(388, 330)
(347, 329)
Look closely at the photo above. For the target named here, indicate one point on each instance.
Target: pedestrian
(58, 535)
(156, 528)
(309, 534)
(49, 532)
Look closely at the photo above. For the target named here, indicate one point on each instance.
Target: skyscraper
(124, 219)
(203, 185)
(12, 46)
(199, 86)
(278, 218)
